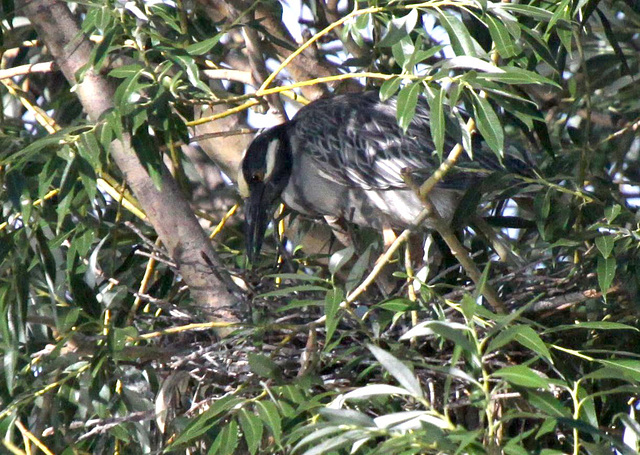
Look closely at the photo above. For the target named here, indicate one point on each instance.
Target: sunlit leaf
(520, 375)
(398, 370)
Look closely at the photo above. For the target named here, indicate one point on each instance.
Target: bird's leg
(388, 237)
(340, 230)
(284, 258)
(445, 231)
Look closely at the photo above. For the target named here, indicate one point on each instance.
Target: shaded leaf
(488, 124)
(407, 102)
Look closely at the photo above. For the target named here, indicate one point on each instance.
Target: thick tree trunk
(167, 210)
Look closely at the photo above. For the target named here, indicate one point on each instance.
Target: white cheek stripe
(270, 159)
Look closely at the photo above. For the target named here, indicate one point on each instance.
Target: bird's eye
(257, 176)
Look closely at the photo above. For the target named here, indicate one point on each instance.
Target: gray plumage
(344, 157)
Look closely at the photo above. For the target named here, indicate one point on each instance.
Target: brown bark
(167, 210)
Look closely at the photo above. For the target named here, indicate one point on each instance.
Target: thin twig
(22, 70)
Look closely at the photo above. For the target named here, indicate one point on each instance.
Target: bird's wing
(356, 141)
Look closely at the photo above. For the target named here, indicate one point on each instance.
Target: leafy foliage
(105, 351)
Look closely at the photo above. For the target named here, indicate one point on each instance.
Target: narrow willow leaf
(203, 422)
(594, 325)
(522, 376)
(346, 417)
(547, 403)
(436, 106)
(500, 35)
(252, 429)
(226, 441)
(331, 307)
(398, 28)
(398, 370)
(407, 102)
(293, 290)
(528, 337)
(374, 390)
(489, 124)
(513, 75)
(340, 258)
(269, 414)
(461, 40)
(526, 10)
(203, 46)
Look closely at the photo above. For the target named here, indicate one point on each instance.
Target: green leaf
(317, 434)
(332, 304)
(193, 72)
(613, 40)
(469, 63)
(605, 245)
(611, 213)
(525, 10)
(527, 337)
(359, 269)
(298, 276)
(263, 366)
(521, 376)
(461, 40)
(453, 331)
(203, 423)
(407, 102)
(595, 325)
(547, 403)
(436, 105)
(606, 273)
(369, 391)
(330, 445)
(488, 124)
(346, 417)
(100, 52)
(252, 429)
(535, 42)
(398, 370)
(204, 46)
(500, 35)
(226, 441)
(269, 414)
(626, 366)
(398, 28)
(293, 290)
(389, 88)
(513, 75)
(126, 71)
(399, 305)
(340, 258)
(120, 337)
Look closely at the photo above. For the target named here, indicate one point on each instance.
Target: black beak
(256, 220)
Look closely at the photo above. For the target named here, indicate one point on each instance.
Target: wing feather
(356, 141)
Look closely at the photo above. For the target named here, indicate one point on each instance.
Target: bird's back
(355, 140)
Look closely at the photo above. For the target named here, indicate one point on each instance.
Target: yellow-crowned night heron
(345, 157)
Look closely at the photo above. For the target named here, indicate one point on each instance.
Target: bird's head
(263, 175)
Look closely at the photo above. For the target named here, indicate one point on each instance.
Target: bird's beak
(256, 220)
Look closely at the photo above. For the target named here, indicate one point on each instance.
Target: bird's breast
(316, 194)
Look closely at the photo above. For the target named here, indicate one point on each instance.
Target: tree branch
(167, 209)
